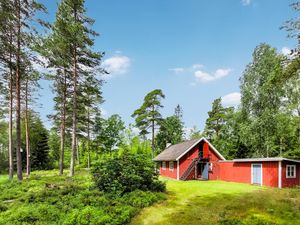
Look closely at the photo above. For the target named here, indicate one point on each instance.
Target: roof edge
(201, 139)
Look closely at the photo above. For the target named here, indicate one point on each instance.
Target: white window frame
(171, 163)
(164, 165)
(261, 173)
(287, 169)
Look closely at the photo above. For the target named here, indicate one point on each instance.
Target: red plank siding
(167, 172)
(186, 160)
(213, 158)
(290, 182)
(235, 172)
(270, 174)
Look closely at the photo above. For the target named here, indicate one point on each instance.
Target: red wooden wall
(241, 172)
(186, 160)
(167, 172)
(290, 182)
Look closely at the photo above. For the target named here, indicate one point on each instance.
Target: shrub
(126, 173)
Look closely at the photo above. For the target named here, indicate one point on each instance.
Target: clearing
(219, 202)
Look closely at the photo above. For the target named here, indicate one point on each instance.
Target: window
(163, 165)
(171, 166)
(291, 171)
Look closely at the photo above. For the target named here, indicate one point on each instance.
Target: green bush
(126, 173)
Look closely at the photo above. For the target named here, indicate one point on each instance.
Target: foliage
(148, 115)
(109, 132)
(38, 143)
(126, 173)
(215, 120)
(170, 131)
(46, 198)
(267, 122)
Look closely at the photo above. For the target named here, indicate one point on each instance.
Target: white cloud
(286, 51)
(232, 99)
(197, 66)
(205, 77)
(177, 70)
(192, 68)
(117, 65)
(246, 2)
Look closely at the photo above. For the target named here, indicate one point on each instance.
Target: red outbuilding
(199, 159)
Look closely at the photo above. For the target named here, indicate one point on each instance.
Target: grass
(218, 202)
(46, 198)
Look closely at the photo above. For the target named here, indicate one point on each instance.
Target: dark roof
(271, 159)
(174, 151)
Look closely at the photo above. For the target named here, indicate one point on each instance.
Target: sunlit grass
(218, 202)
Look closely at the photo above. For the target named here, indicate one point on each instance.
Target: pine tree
(72, 32)
(148, 115)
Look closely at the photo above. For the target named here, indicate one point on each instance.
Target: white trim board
(261, 172)
(210, 145)
(279, 174)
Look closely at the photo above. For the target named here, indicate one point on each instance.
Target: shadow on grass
(271, 206)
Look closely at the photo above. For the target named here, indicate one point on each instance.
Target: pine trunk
(10, 122)
(152, 144)
(77, 150)
(27, 131)
(88, 141)
(63, 125)
(18, 94)
(74, 118)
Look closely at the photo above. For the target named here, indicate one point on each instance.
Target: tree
(38, 142)
(72, 27)
(195, 133)
(215, 120)
(19, 32)
(171, 131)
(178, 112)
(148, 115)
(109, 132)
(261, 100)
(293, 65)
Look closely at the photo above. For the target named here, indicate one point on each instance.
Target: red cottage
(198, 159)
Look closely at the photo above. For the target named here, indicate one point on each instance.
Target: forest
(82, 141)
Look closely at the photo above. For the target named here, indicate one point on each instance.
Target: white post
(279, 175)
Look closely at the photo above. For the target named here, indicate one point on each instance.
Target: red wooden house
(199, 159)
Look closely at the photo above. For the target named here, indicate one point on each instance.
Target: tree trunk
(27, 131)
(88, 139)
(18, 94)
(152, 142)
(10, 122)
(77, 150)
(74, 118)
(63, 125)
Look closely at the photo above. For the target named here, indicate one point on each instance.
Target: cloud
(177, 70)
(205, 77)
(197, 66)
(117, 65)
(232, 99)
(192, 68)
(246, 2)
(286, 51)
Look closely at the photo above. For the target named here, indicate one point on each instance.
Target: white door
(257, 174)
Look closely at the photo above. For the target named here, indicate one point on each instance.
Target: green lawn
(218, 202)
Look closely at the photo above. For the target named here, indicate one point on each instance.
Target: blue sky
(194, 50)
